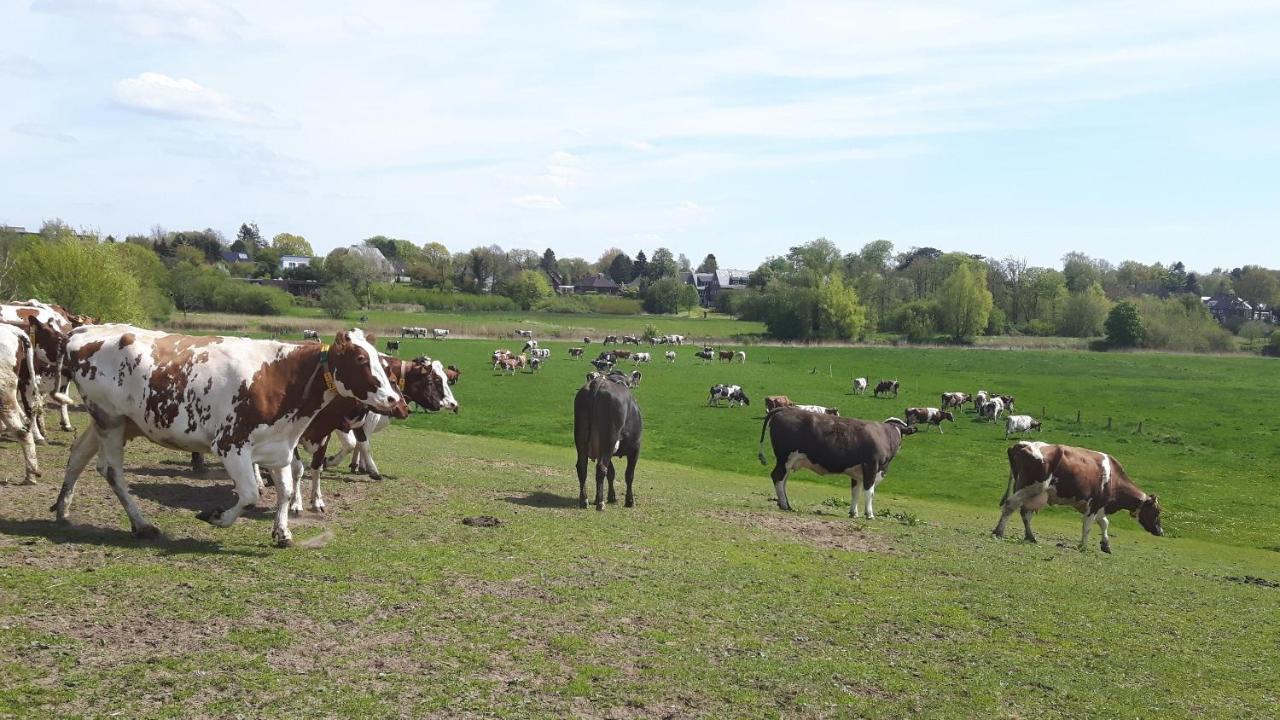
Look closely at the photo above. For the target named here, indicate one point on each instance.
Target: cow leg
(601, 465)
(611, 472)
(197, 463)
(316, 469)
(28, 440)
(64, 417)
(1015, 501)
(779, 475)
(37, 426)
(244, 474)
(283, 479)
(111, 455)
(632, 459)
(581, 467)
(855, 490)
(83, 449)
(346, 443)
(1026, 525)
(366, 455)
(1105, 524)
(1084, 531)
(871, 476)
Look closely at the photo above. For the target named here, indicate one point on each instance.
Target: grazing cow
(586, 341)
(438, 333)
(642, 357)
(498, 356)
(509, 364)
(928, 416)
(705, 355)
(540, 353)
(885, 387)
(676, 339)
(860, 386)
(740, 356)
(524, 333)
(1007, 400)
(610, 340)
(529, 345)
(830, 445)
(1020, 424)
(1092, 482)
(246, 401)
(607, 355)
(535, 364)
(630, 340)
(670, 355)
(992, 409)
(422, 381)
(451, 373)
(979, 399)
(636, 377)
(732, 393)
(576, 352)
(19, 394)
(954, 400)
(606, 424)
(393, 346)
(820, 409)
(725, 355)
(602, 365)
(773, 402)
(310, 335)
(622, 354)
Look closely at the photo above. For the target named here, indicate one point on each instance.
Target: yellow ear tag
(324, 364)
(400, 381)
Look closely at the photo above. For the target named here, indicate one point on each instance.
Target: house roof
(731, 278)
(296, 258)
(234, 256)
(599, 280)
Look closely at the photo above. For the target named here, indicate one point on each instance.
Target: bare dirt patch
(819, 532)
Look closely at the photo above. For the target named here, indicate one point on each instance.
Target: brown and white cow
(773, 402)
(19, 394)
(1092, 482)
(246, 401)
(832, 445)
(928, 416)
(954, 400)
(48, 326)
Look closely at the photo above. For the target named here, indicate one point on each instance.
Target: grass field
(704, 600)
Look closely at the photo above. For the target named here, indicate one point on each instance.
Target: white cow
(671, 356)
(821, 410)
(740, 356)
(860, 386)
(19, 393)
(641, 357)
(439, 333)
(49, 330)
(992, 409)
(1020, 424)
(246, 401)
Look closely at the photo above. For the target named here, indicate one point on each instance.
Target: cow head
(742, 398)
(427, 384)
(452, 372)
(946, 415)
(46, 340)
(903, 428)
(358, 373)
(833, 411)
(1148, 514)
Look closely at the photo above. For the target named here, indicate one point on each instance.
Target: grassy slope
(1206, 448)
(687, 605)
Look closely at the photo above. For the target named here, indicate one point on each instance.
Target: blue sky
(1127, 130)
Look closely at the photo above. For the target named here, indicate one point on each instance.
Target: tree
(344, 266)
(709, 264)
(154, 281)
(640, 266)
(840, 315)
(606, 259)
(620, 268)
(1084, 313)
(574, 269)
(662, 264)
(663, 296)
(688, 297)
(548, 263)
(1257, 285)
(249, 238)
(791, 312)
(1253, 331)
(964, 302)
(337, 300)
(290, 244)
(529, 287)
(815, 259)
(683, 264)
(83, 277)
(1124, 326)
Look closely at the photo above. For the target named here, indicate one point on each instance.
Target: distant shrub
(1182, 324)
(566, 304)
(1039, 328)
(241, 297)
(610, 305)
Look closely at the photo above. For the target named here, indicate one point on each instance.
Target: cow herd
(275, 405)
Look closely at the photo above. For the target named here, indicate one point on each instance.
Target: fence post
(1139, 431)
(1077, 417)
(1108, 422)
(1043, 413)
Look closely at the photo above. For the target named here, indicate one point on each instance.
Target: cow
(1007, 400)
(610, 340)
(831, 445)
(630, 340)
(246, 401)
(608, 355)
(979, 399)
(992, 409)
(310, 335)
(529, 345)
(1092, 482)
(725, 355)
(535, 364)
(602, 365)
(606, 424)
(670, 355)
(773, 402)
(452, 373)
(622, 354)
(641, 357)
(740, 356)
(576, 352)
(438, 333)
(498, 356)
(705, 355)
(46, 327)
(732, 393)
(1020, 424)
(885, 387)
(820, 409)
(586, 341)
(860, 386)
(541, 353)
(19, 394)
(954, 400)
(928, 416)
(393, 346)
(636, 377)
(676, 339)
(422, 381)
(524, 334)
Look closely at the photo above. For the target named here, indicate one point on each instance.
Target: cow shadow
(60, 534)
(185, 496)
(542, 499)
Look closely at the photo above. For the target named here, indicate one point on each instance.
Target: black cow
(886, 387)
(606, 424)
(832, 445)
(393, 346)
(602, 365)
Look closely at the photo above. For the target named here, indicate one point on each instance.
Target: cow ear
(343, 337)
(372, 338)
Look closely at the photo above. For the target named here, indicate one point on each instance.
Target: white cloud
(640, 145)
(564, 169)
(23, 67)
(204, 20)
(45, 132)
(158, 94)
(538, 202)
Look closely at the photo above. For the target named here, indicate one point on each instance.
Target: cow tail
(760, 450)
(1009, 489)
(33, 387)
(60, 385)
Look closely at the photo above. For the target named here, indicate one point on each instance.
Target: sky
(1145, 130)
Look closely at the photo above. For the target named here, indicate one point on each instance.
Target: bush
(1180, 324)
(83, 277)
(566, 304)
(1039, 328)
(337, 300)
(792, 313)
(663, 296)
(528, 288)
(235, 296)
(1124, 326)
(610, 305)
(915, 320)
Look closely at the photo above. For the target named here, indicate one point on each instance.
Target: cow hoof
(208, 515)
(629, 503)
(376, 477)
(600, 507)
(1106, 549)
(31, 479)
(282, 541)
(613, 501)
(997, 534)
(318, 508)
(146, 532)
(1031, 539)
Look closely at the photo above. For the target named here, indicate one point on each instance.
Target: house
(598, 283)
(700, 282)
(1232, 311)
(710, 285)
(231, 257)
(290, 262)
